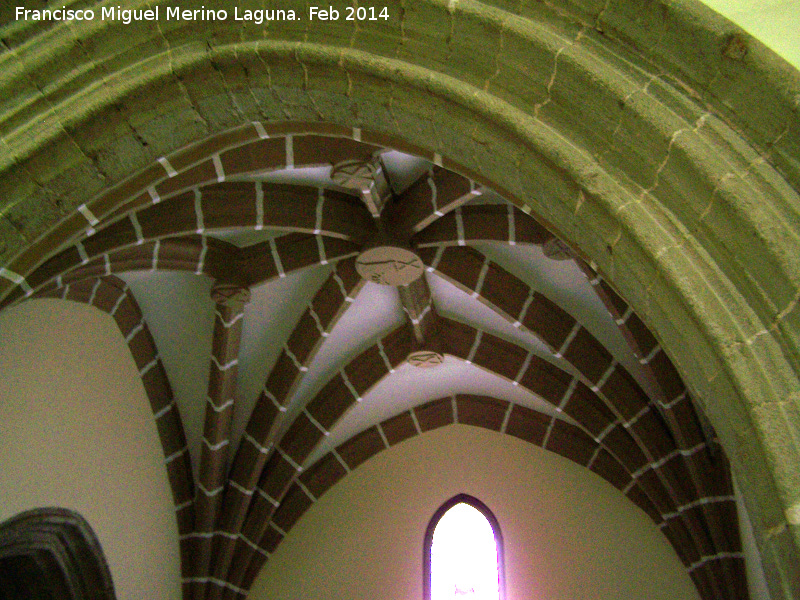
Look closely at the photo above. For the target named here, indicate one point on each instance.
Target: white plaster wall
(76, 431)
(568, 534)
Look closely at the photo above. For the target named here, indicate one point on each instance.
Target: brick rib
(709, 474)
(280, 473)
(529, 425)
(289, 208)
(638, 414)
(223, 261)
(259, 152)
(502, 223)
(672, 413)
(111, 295)
(433, 195)
(266, 419)
(572, 397)
(229, 301)
(283, 473)
(252, 148)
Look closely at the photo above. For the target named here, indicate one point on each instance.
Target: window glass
(463, 553)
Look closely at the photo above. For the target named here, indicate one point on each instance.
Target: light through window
(463, 553)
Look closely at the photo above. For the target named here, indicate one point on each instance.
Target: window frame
(428, 541)
(57, 548)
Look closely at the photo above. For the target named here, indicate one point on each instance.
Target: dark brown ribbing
(221, 260)
(179, 167)
(325, 309)
(478, 411)
(463, 228)
(256, 205)
(497, 222)
(476, 274)
(326, 408)
(433, 195)
(675, 405)
(504, 358)
(301, 209)
(520, 305)
(111, 295)
(336, 392)
(230, 301)
(241, 151)
(664, 481)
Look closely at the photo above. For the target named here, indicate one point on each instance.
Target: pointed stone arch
(655, 186)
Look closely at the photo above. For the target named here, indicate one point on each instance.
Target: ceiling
(180, 313)
(291, 321)
(320, 242)
(775, 22)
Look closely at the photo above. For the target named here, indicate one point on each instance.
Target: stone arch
(701, 240)
(175, 257)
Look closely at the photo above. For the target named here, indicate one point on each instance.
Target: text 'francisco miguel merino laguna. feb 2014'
(176, 13)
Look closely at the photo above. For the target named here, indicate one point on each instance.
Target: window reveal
(463, 552)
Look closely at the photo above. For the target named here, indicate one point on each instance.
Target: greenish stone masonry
(656, 138)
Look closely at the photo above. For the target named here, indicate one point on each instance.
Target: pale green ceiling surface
(774, 22)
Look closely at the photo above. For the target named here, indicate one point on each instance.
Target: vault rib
(267, 417)
(114, 297)
(444, 233)
(241, 569)
(197, 254)
(293, 447)
(229, 301)
(482, 223)
(674, 400)
(462, 267)
(430, 197)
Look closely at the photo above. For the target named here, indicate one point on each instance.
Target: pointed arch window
(463, 553)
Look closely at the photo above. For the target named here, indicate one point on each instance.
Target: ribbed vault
(653, 449)
(661, 161)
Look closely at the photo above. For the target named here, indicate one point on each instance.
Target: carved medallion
(367, 178)
(425, 359)
(389, 265)
(353, 174)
